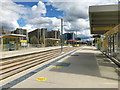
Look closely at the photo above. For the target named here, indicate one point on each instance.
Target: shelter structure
(15, 36)
(52, 42)
(105, 21)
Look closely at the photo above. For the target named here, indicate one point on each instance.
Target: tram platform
(85, 68)
(7, 54)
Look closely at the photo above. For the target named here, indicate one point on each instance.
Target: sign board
(23, 40)
(56, 41)
(11, 41)
(11, 45)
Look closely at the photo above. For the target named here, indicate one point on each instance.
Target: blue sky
(51, 11)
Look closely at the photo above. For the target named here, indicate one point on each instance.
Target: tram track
(14, 66)
(5, 63)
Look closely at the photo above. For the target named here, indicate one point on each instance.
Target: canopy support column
(2, 44)
(17, 43)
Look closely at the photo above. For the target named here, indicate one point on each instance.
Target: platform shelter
(105, 21)
(15, 36)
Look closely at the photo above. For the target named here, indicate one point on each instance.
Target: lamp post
(27, 39)
(61, 38)
(61, 35)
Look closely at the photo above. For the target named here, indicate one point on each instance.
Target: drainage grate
(63, 64)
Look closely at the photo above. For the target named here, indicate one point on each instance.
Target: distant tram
(74, 43)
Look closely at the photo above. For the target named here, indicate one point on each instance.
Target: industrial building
(53, 34)
(68, 36)
(40, 34)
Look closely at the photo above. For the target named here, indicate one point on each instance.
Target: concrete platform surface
(86, 68)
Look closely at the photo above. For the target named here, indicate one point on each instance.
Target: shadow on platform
(84, 64)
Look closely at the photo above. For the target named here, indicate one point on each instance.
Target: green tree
(67, 42)
(41, 40)
(34, 40)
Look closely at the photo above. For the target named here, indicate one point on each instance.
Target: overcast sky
(47, 13)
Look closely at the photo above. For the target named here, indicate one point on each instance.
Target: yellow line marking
(41, 79)
(66, 60)
(57, 67)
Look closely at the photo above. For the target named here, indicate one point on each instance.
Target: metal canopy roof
(52, 39)
(103, 18)
(12, 36)
(96, 36)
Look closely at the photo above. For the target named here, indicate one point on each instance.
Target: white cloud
(29, 27)
(39, 9)
(39, 21)
(77, 12)
(49, 23)
(10, 13)
(35, 12)
(35, 17)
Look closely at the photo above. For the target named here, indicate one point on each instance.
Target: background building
(78, 38)
(6, 32)
(2, 31)
(68, 36)
(21, 32)
(40, 34)
(53, 34)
